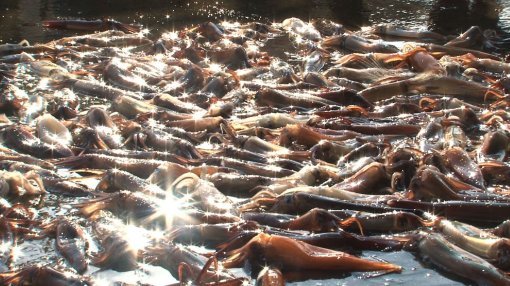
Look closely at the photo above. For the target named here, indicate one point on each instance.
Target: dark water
(20, 19)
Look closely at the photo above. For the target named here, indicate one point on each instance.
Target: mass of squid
(208, 154)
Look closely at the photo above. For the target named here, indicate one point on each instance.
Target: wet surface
(20, 19)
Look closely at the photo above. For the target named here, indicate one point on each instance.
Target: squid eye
(402, 222)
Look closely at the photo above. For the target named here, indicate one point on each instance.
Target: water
(20, 19)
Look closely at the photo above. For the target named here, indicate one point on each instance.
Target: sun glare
(135, 237)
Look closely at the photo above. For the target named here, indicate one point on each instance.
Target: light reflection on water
(147, 274)
(20, 19)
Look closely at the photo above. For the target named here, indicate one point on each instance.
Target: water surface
(20, 19)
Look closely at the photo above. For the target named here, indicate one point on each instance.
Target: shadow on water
(20, 19)
(484, 13)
